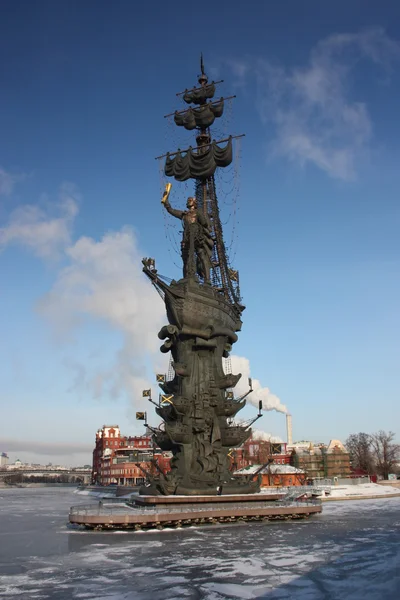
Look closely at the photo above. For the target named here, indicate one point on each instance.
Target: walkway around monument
(147, 512)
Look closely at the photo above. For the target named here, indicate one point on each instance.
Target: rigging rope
(225, 215)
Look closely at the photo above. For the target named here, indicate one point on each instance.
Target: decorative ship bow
(204, 312)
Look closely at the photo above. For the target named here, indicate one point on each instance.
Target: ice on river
(349, 552)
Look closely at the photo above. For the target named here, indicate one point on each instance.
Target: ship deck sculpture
(204, 312)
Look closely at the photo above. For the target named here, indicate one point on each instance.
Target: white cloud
(43, 233)
(103, 280)
(8, 181)
(270, 401)
(316, 119)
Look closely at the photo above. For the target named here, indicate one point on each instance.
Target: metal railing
(297, 491)
(107, 509)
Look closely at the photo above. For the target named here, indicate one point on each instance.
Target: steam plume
(269, 401)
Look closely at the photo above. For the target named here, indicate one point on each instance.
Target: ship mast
(200, 163)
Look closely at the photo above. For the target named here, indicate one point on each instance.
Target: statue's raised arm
(179, 214)
(197, 243)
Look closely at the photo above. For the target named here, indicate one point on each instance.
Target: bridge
(73, 475)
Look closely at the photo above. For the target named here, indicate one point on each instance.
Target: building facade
(322, 461)
(282, 475)
(131, 460)
(3, 460)
(259, 452)
(125, 460)
(292, 465)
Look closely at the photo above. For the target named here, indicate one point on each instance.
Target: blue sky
(85, 87)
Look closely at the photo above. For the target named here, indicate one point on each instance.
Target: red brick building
(273, 475)
(125, 460)
(258, 452)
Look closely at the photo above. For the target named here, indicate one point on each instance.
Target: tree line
(374, 453)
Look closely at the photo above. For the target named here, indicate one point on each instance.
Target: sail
(203, 116)
(196, 165)
(199, 95)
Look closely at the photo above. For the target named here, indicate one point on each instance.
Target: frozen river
(351, 551)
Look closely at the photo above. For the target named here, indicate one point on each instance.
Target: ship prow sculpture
(204, 312)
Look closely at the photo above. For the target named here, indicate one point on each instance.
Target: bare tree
(386, 452)
(359, 446)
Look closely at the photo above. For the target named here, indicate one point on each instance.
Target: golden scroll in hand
(165, 197)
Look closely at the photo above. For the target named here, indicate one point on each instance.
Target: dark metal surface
(204, 314)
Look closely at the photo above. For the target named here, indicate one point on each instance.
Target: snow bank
(361, 490)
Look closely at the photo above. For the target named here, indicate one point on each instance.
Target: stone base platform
(157, 512)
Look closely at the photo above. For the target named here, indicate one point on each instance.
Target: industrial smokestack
(289, 432)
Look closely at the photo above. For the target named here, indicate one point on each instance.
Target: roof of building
(311, 448)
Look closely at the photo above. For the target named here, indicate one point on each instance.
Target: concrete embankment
(99, 491)
(363, 491)
(369, 497)
(394, 484)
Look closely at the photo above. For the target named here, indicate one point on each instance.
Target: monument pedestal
(149, 512)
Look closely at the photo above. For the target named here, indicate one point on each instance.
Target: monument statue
(197, 243)
(197, 404)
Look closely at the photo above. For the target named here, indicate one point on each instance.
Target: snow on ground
(361, 490)
(95, 493)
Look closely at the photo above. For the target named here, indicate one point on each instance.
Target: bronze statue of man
(196, 241)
